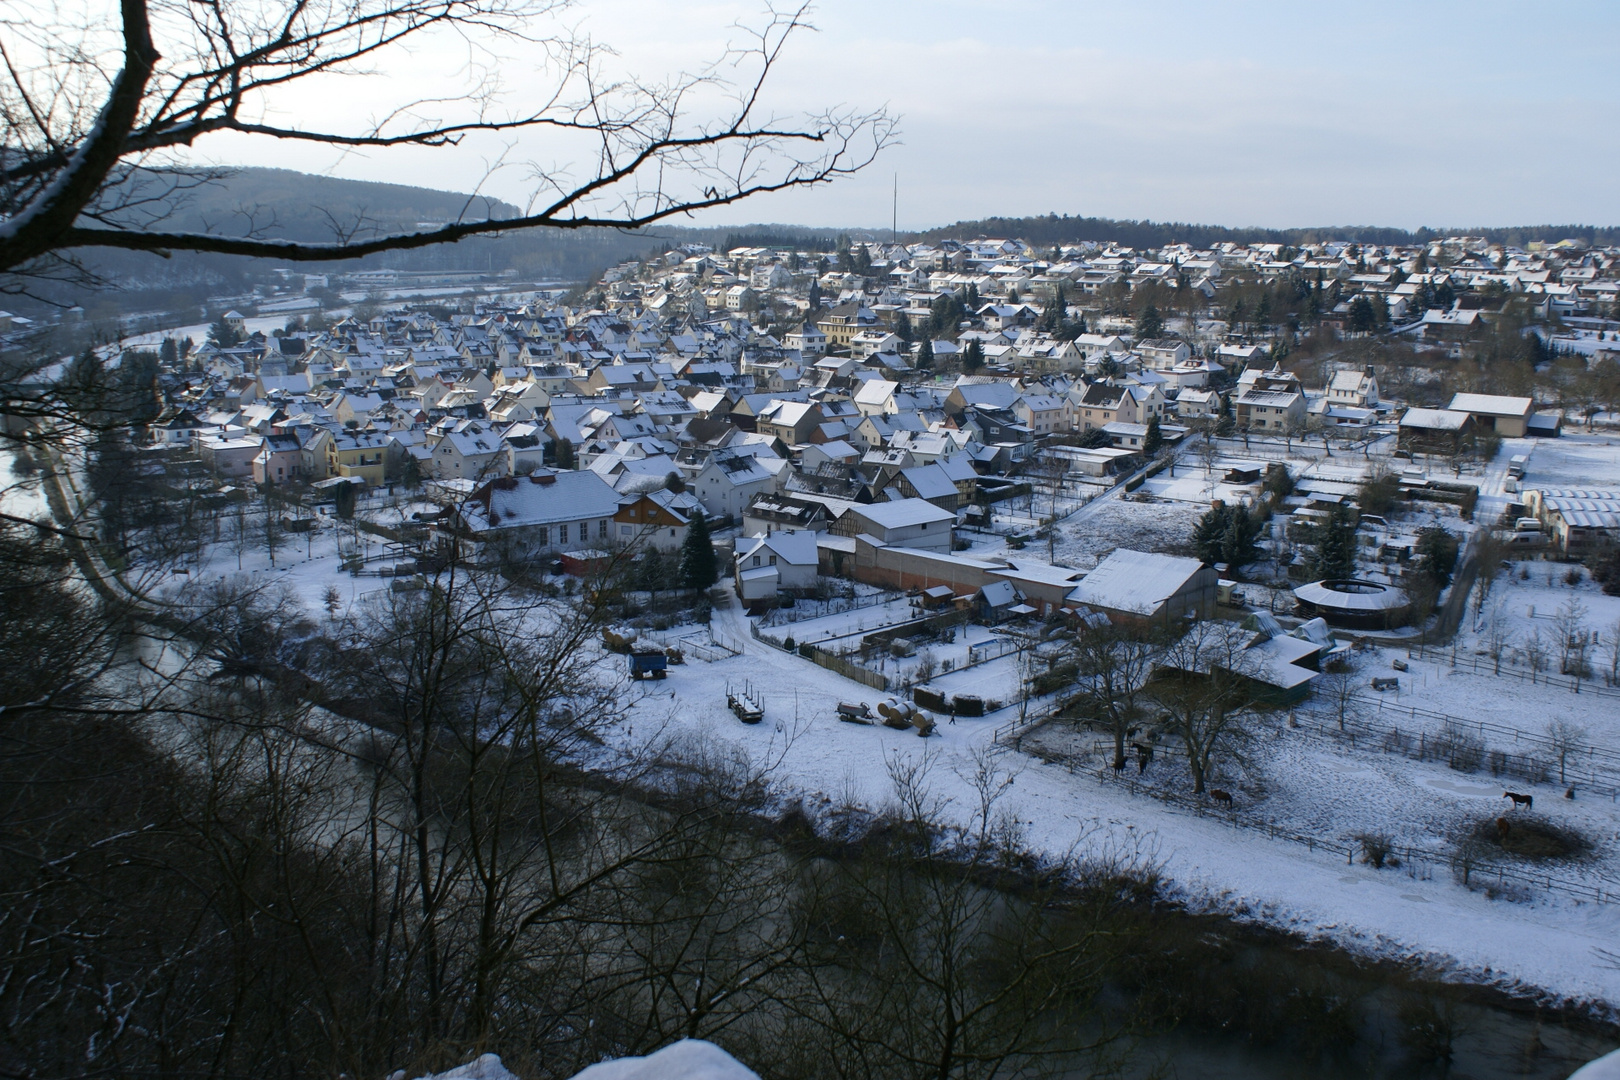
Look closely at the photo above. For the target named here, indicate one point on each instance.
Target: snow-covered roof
(541, 498)
(796, 548)
(1491, 404)
(903, 513)
(1365, 596)
(1434, 419)
(1135, 581)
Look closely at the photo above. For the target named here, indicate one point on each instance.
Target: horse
(1221, 796)
(1526, 801)
(1119, 764)
(1144, 758)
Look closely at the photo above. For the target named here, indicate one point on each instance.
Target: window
(602, 529)
(773, 560)
(624, 530)
(542, 535)
(756, 560)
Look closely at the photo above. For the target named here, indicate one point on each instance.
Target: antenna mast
(894, 220)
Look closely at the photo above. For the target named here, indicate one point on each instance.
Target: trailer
(651, 664)
(745, 703)
(851, 713)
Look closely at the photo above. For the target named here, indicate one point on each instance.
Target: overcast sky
(1410, 113)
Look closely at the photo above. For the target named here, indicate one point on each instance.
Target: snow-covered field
(1301, 781)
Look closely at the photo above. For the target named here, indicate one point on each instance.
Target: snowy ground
(1575, 459)
(1301, 780)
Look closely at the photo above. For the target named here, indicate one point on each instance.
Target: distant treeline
(780, 239)
(1055, 229)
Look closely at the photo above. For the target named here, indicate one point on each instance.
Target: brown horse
(1221, 796)
(1526, 801)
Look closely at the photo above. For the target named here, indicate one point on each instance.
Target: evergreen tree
(169, 354)
(925, 354)
(698, 568)
(222, 335)
(344, 499)
(902, 326)
(1227, 534)
(1361, 319)
(1056, 313)
(1262, 312)
(563, 453)
(1149, 324)
(1225, 423)
(972, 357)
(1335, 555)
(1436, 551)
(815, 296)
(1154, 438)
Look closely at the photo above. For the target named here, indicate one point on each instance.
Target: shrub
(1376, 850)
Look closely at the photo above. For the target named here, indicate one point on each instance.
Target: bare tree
(1498, 638)
(1614, 654)
(1534, 649)
(96, 121)
(992, 987)
(1208, 450)
(1205, 689)
(1112, 666)
(1567, 738)
(1337, 688)
(1574, 640)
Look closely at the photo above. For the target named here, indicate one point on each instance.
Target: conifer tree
(972, 357)
(1335, 555)
(1154, 439)
(698, 568)
(1150, 325)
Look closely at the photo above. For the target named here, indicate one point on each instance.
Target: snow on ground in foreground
(1549, 943)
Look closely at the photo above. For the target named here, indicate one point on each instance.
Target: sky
(1230, 112)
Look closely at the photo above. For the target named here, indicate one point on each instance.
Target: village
(1279, 567)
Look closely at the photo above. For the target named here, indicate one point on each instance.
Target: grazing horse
(1526, 801)
(1119, 763)
(1221, 796)
(1502, 830)
(1144, 757)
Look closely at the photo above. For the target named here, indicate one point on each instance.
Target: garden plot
(1432, 684)
(840, 624)
(308, 564)
(1527, 608)
(1159, 526)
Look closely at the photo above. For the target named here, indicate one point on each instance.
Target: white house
(910, 523)
(544, 512)
(776, 561)
(727, 483)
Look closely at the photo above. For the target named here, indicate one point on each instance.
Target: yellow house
(358, 454)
